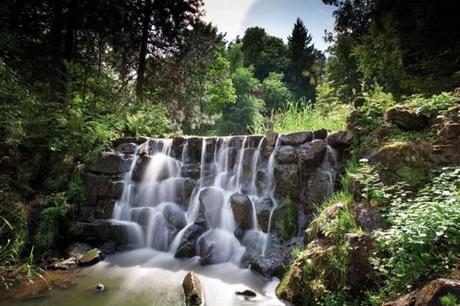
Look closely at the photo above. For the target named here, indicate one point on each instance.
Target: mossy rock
(285, 219)
(91, 257)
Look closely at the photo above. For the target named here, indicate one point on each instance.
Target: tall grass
(302, 118)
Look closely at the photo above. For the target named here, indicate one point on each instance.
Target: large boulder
(320, 134)
(312, 154)
(286, 155)
(263, 209)
(340, 139)
(186, 248)
(192, 290)
(318, 186)
(287, 181)
(284, 220)
(367, 217)
(211, 202)
(99, 187)
(360, 270)
(110, 163)
(406, 118)
(430, 295)
(295, 139)
(97, 232)
(242, 210)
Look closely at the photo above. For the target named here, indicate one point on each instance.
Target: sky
(277, 17)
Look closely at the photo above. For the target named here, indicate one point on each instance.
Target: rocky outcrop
(192, 290)
(406, 118)
(242, 210)
(431, 294)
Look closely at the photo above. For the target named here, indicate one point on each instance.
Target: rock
(287, 181)
(242, 210)
(271, 138)
(175, 216)
(186, 248)
(297, 138)
(247, 294)
(100, 287)
(368, 217)
(91, 257)
(286, 155)
(263, 209)
(320, 134)
(140, 167)
(211, 202)
(430, 294)
(67, 264)
(99, 231)
(108, 248)
(339, 139)
(360, 271)
(135, 140)
(191, 171)
(312, 154)
(110, 163)
(192, 290)
(127, 148)
(77, 249)
(406, 118)
(284, 220)
(319, 186)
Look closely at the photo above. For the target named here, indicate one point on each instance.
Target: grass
(303, 118)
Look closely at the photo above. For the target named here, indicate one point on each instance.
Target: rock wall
(306, 172)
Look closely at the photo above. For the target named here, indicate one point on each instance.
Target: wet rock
(286, 155)
(108, 248)
(127, 148)
(368, 217)
(186, 248)
(191, 171)
(110, 163)
(97, 232)
(284, 220)
(177, 147)
(242, 210)
(91, 257)
(320, 134)
(193, 146)
(271, 139)
(140, 167)
(297, 138)
(104, 209)
(175, 216)
(287, 181)
(135, 140)
(211, 202)
(406, 118)
(100, 287)
(247, 294)
(319, 186)
(192, 290)
(312, 154)
(263, 209)
(340, 139)
(66, 264)
(77, 249)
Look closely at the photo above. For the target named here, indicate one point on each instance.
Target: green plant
(424, 238)
(448, 300)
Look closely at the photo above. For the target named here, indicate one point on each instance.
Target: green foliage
(147, 120)
(275, 92)
(434, 105)
(448, 300)
(306, 118)
(51, 218)
(424, 238)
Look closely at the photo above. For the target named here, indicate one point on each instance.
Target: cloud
(228, 15)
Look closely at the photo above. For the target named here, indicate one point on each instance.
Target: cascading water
(158, 208)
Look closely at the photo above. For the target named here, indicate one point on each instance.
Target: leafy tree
(275, 93)
(241, 117)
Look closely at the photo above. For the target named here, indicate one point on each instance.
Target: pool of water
(147, 277)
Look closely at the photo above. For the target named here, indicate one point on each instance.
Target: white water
(147, 206)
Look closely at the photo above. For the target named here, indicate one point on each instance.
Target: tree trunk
(143, 50)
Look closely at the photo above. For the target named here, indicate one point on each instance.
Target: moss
(285, 219)
(413, 176)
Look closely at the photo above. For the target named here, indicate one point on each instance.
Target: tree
(302, 59)
(275, 93)
(264, 52)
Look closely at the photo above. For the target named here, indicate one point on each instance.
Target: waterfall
(207, 202)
